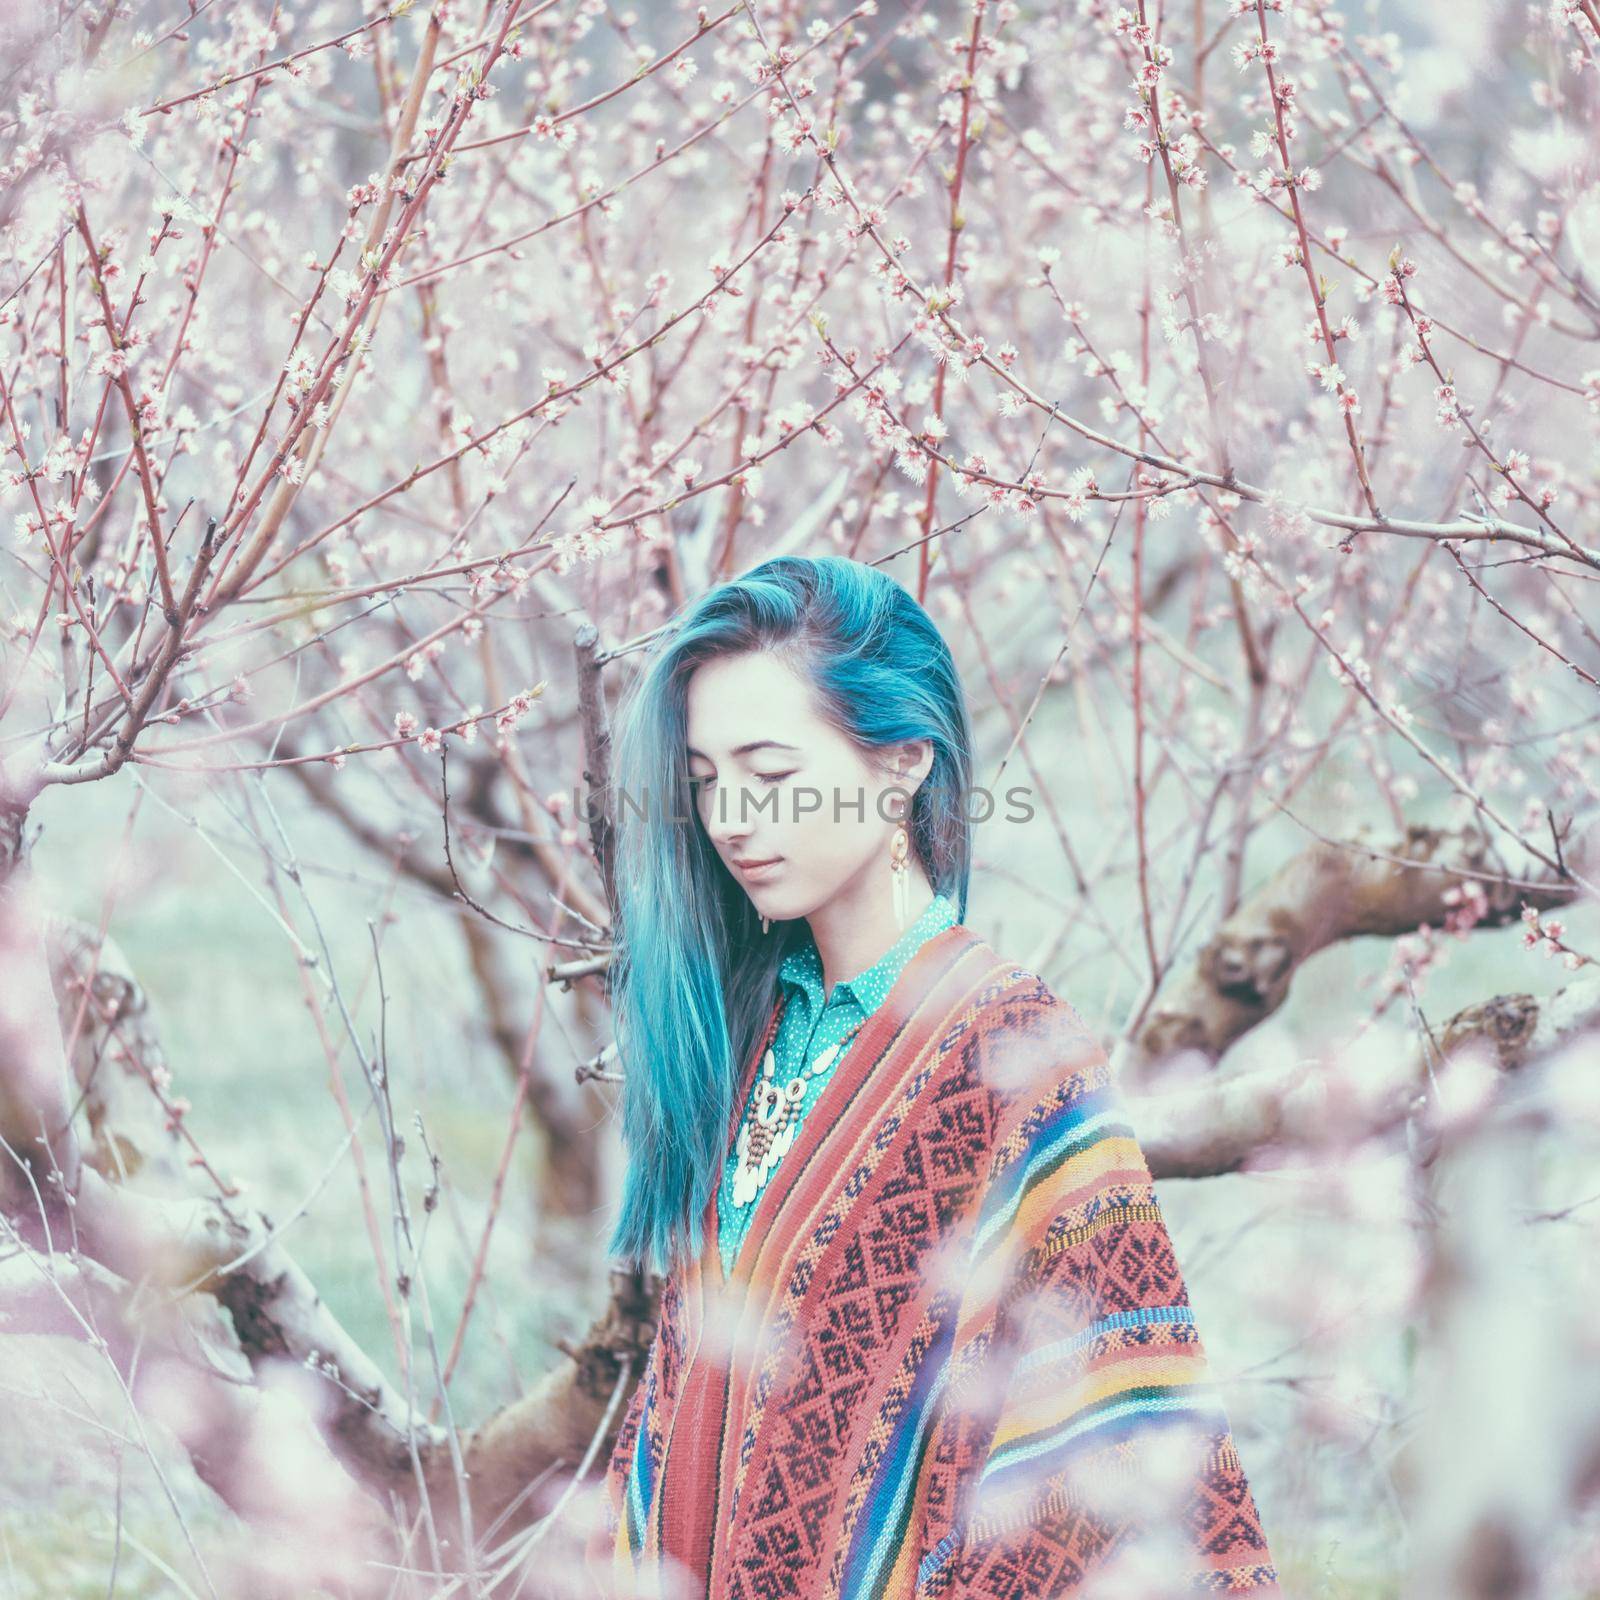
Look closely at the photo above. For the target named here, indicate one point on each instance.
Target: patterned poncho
(955, 1356)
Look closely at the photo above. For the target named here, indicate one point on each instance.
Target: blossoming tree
(378, 379)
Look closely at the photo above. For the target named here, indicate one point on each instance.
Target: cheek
(838, 832)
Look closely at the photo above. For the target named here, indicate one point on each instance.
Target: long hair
(693, 979)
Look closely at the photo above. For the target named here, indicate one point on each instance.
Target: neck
(857, 927)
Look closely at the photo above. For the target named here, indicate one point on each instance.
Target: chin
(782, 908)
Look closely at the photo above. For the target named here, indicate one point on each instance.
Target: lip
(757, 870)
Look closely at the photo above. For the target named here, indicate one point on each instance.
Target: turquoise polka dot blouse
(810, 1024)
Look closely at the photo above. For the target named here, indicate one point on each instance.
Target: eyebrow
(745, 749)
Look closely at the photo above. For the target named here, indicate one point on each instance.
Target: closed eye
(699, 784)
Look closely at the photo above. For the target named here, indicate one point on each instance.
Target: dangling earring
(766, 923)
(900, 872)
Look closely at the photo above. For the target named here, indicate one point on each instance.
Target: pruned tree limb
(1320, 897)
(1223, 1123)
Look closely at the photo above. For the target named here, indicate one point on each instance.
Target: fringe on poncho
(955, 1358)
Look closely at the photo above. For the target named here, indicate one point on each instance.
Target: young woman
(922, 1331)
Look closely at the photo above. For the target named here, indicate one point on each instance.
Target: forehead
(736, 699)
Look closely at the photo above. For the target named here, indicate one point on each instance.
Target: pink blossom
(912, 464)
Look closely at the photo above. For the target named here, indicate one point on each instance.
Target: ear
(911, 763)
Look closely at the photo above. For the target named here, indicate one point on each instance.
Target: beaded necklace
(769, 1130)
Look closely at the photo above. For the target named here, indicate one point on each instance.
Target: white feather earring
(900, 873)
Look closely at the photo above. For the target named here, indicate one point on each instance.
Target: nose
(726, 818)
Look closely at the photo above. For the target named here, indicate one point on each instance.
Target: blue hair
(693, 981)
